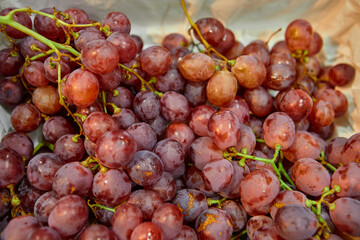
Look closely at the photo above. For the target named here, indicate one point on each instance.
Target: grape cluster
(200, 139)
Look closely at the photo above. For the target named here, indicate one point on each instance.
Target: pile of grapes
(200, 138)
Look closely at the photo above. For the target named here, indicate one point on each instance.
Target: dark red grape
(259, 100)
(44, 205)
(333, 150)
(169, 218)
(25, 118)
(174, 107)
(55, 127)
(170, 152)
(125, 44)
(285, 198)
(51, 69)
(282, 58)
(20, 17)
(170, 81)
(146, 105)
(174, 40)
(257, 222)
(347, 177)
(87, 35)
(337, 99)
(25, 48)
(310, 176)
(203, 150)
(280, 47)
(211, 29)
(182, 133)
(280, 76)
(186, 233)
(177, 54)
(247, 139)
(299, 35)
(20, 143)
(68, 150)
(240, 108)
(125, 118)
(117, 21)
(12, 167)
(258, 51)
(296, 103)
(69, 215)
(77, 15)
(11, 92)
(234, 51)
(155, 60)
(10, 64)
(217, 174)
(115, 149)
(227, 42)
(44, 233)
(47, 26)
(165, 187)
(195, 92)
(351, 150)
(148, 201)
(341, 74)
(322, 113)
(20, 228)
(98, 123)
(237, 214)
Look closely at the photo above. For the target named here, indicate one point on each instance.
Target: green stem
(215, 201)
(284, 173)
(239, 235)
(260, 140)
(43, 144)
(103, 96)
(331, 167)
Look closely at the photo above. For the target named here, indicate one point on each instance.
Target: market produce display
(200, 137)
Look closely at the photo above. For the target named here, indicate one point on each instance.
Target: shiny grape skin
(123, 100)
(232, 191)
(322, 113)
(195, 92)
(146, 168)
(279, 128)
(55, 127)
(303, 140)
(174, 107)
(296, 103)
(82, 87)
(197, 67)
(110, 80)
(299, 35)
(25, 48)
(221, 88)
(285, 198)
(217, 174)
(10, 64)
(155, 60)
(41, 170)
(224, 128)
(100, 56)
(148, 201)
(337, 99)
(249, 71)
(72, 178)
(240, 108)
(186, 233)
(11, 92)
(20, 228)
(12, 167)
(282, 58)
(146, 105)
(46, 99)
(44, 233)
(280, 76)
(213, 223)
(203, 150)
(51, 73)
(341, 74)
(27, 195)
(44, 205)
(346, 215)
(25, 118)
(98, 123)
(227, 42)
(68, 150)
(199, 118)
(115, 149)
(247, 139)
(194, 180)
(126, 46)
(165, 187)
(347, 177)
(125, 118)
(86, 35)
(174, 40)
(170, 152)
(296, 222)
(20, 143)
(20, 17)
(97, 231)
(143, 134)
(126, 217)
(259, 188)
(47, 26)
(211, 29)
(237, 214)
(117, 21)
(257, 50)
(257, 222)
(111, 187)
(69, 215)
(191, 202)
(351, 150)
(170, 81)
(280, 47)
(145, 231)
(177, 54)
(169, 218)
(316, 44)
(182, 133)
(333, 150)
(259, 101)
(94, 107)
(310, 176)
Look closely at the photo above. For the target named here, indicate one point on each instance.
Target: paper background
(338, 21)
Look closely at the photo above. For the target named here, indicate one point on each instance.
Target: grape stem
(322, 159)
(93, 206)
(43, 144)
(238, 236)
(233, 153)
(215, 201)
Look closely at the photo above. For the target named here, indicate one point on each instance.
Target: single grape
(282, 58)
(20, 143)
(25, 118)
(115, 149)
(20, 17)
(72, 178)
(237, 214)
(44, 233)
(240, 108)
(280, 47)
(117, 21)
(51, 68)
(310, 176)
(213, 223)
(146, 105)
(347, 177)
(25, 48)
(68, 150)
(296, 103)
(322, 113)
(303, 140)
(148, 201)
(249, 71)
(333, 150)
(12, 167)
(143, 134)
(174, 40)
(257, 50)
(177, 54)
(170, 152)
(44, 205)
(227, 42)
(87, 35)
(337, 99)
(211, 29)
(155, 60)
(98, 123)
(299, 35)
(41, 170)
(280, 76)
(46, 99)
(351, 150)
(146, 230)
(197, 67)
(169, 218)
(125, 118)
(257, 222)
(125, 44)
(77, 15)
(125, 219)
(345, 215)
(174, 107)
(10, 61)
(247, 139)
(316, 44)
(110, 80)
(47, 26)
(170, 81)
(279, 129)
(195, 92)
(221, 88)
(259, 101)
(97, 231)
(217, 174)
(186, 233)
(139, 42)
(86, 111)
(11, 92)
(82, 87)
(27, 195)
(165, 187)
(20, 228)
(199, 118)
(55, 127)
(285, 198)
(69, 215)
(182, 133)
(341, 74)
(234, 51)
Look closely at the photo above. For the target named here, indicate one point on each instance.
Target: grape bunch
(199, 137)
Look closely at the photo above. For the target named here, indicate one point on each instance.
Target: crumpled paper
(338, 22)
